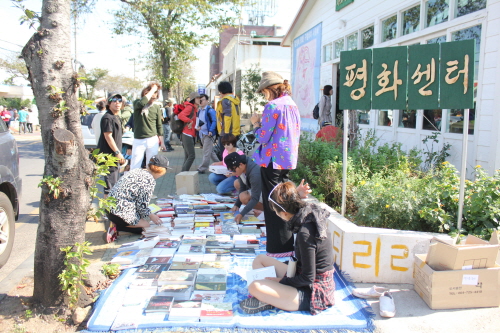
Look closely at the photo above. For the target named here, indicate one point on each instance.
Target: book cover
(177, 277)
(243, 251)
(208, 297)
(153, 268)
(162, 252)
(217, 251)
(142, 276)
(160, 304)
(158, 260)
(213, 287)
(183, 265)
(144, 284)
(260, 274)
(167, 244)
(215, 264)
(185, 310)
(216, 311)
(211, 278)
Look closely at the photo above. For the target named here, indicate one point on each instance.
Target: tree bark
(165, 69)
(62, 221)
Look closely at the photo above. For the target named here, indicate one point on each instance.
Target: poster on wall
(306, 72)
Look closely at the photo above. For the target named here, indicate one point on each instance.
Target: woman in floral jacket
(278, 132)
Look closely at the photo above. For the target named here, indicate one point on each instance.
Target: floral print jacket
(279, 135)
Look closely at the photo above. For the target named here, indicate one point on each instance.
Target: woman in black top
(312, 287)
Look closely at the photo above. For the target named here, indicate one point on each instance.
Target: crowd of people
(24, 116)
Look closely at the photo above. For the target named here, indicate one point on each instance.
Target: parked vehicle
(10, 191)
(87, 131)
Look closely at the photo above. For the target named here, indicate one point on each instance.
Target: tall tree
(251, 81)
(92, 78)
(174, 28)
(62, 218)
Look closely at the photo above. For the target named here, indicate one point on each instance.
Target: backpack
(177, 125)
(316, 112)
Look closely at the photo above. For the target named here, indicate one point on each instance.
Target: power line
(9, 50)
(11, 43)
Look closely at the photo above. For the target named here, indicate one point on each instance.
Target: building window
(465, 7)
(408, 118)
(440, 39)
(456, 116)
(367, 35)
(385, 117)
(432, 120)
(274, 43)
(389, 28)
(212, 60)
(364, 117)
(436, 11)
(352, 42)
(339, 47)
(411, 20)
(327, 52)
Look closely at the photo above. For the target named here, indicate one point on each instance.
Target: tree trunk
(165, 69)
(62, 221)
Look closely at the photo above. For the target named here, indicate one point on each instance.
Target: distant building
(262, 50)
(329, 27)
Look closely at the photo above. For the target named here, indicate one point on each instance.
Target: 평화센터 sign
(433, 76)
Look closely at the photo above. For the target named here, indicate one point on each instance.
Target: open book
(260, 274)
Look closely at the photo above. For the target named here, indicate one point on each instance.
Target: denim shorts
(304, 299)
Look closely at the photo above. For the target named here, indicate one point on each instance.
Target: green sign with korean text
(339, 4)
(423, 76)
(355, 79)
(457, 75)
(389, 77)
(432, 76)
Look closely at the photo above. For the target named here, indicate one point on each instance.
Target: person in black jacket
(312, 288)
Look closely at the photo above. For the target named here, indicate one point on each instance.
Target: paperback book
(177, 277)
(153, 268)
(185, 311)
(177, 291)
(243, 252)
(216, 312)
(159, 304)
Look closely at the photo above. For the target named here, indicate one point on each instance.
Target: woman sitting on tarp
(312, 286)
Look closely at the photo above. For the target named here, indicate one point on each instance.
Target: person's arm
(213, 118)
(256, 181)
(307, 243)
(184, 114)
(269, 122)
(108, 136)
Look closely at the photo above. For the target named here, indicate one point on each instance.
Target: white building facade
(244, 52)
(344, 25)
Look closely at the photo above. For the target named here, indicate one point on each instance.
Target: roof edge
(304, 10)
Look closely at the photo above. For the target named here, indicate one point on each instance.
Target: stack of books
(160, 304)
(216, 312)
(185, 311)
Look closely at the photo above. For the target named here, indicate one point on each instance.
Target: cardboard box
(187, 182)
(474, 253)
(459, 289)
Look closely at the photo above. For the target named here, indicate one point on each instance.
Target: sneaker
(201, 172)
(253, 305)
(387, 306)
(373, 292)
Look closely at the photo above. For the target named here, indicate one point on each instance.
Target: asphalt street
(31, 164)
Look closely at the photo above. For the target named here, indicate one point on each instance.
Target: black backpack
(177, 125)
(316, 112)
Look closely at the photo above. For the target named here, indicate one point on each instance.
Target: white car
(87, 131)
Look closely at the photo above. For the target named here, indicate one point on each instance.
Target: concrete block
(187, 182)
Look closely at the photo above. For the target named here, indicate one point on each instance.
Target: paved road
(20, 263)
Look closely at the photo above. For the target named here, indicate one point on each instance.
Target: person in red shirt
(5, 115)
(188, 116)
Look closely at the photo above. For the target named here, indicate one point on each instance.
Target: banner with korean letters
(431, 76)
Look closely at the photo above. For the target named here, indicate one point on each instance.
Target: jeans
(224, 184)
(148, 145)
(23, 125)
(189, 153)
(167, 131)
(30, 127)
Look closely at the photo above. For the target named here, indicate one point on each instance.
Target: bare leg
(262, 261)
(272, 292)
(237, 185)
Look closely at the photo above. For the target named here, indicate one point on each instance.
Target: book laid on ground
(210, 287)
(248, 252)
(200, 242)
(219, 244)
(144, 284)
(185, 265)
(177, 291)
(154, 208)
(260, 274)
(177, 277)
(217, 257)
(162, 252)
(158, 260)
(159, 304)
(215, 264)
(128, 317)
(153, 268)
(216, 312)
(136, 263)
(185, 311)
(218, 250)
(140, 244)
(208, 297)
(167, 244)
(124, 257)
(147, 276)
(211, 275)
(251, 243)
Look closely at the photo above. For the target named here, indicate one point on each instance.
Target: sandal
(253, 305)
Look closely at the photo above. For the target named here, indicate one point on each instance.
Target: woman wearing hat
(188, 116)
(278, 131)
(133, 193)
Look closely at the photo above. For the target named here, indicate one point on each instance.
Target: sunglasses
(271, 199)
(115, 99)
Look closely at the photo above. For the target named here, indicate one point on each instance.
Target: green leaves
(71, 278)
(53, 185)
